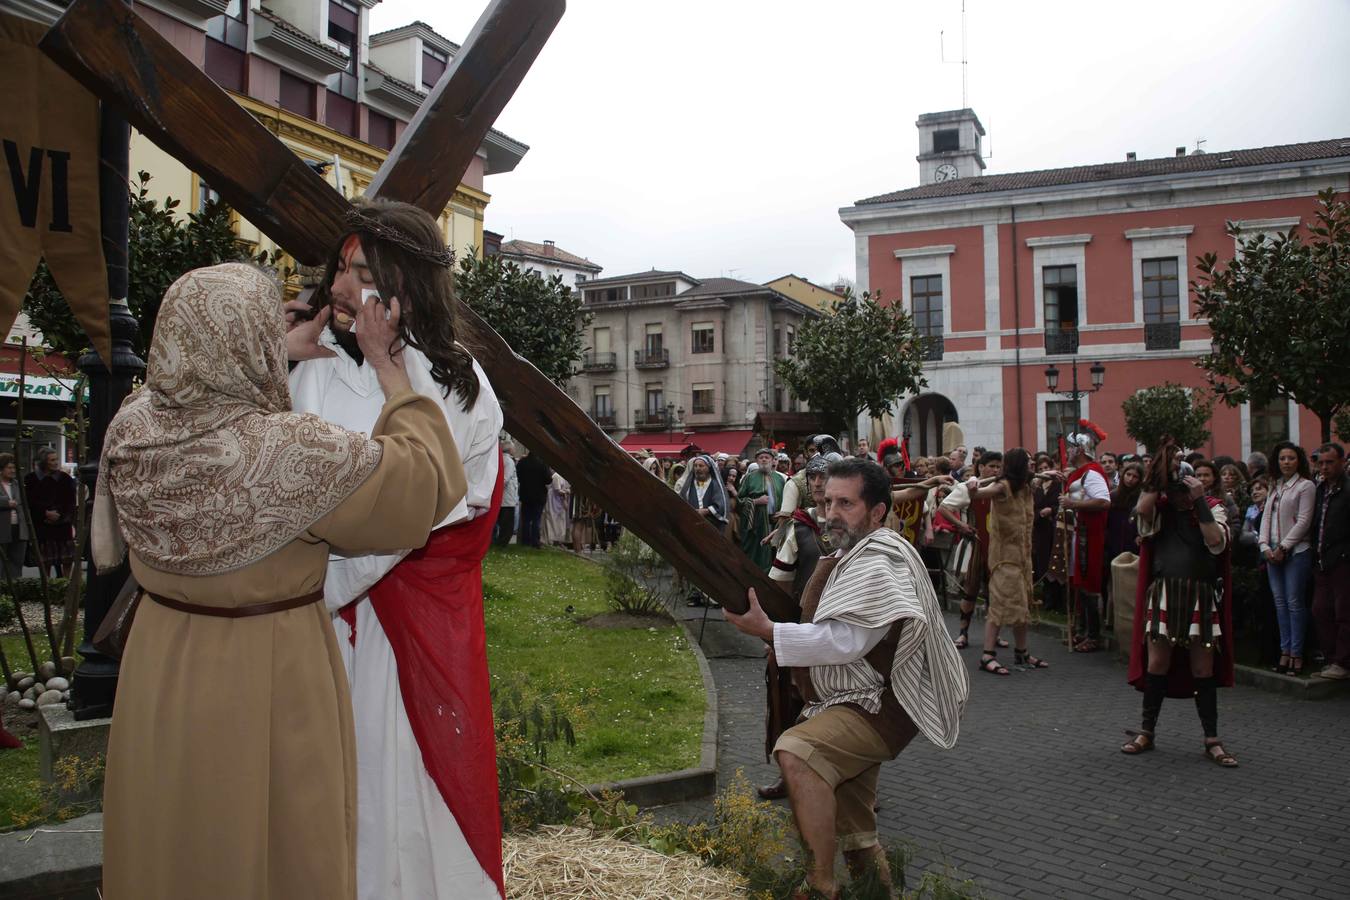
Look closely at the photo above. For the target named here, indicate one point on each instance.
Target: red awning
(639, 441)
(732, 442)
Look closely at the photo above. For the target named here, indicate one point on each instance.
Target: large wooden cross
(121, 58)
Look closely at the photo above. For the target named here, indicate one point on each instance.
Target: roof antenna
(964, 62)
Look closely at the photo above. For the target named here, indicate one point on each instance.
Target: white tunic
(408, 845)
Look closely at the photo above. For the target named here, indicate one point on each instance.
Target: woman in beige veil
(231, 759)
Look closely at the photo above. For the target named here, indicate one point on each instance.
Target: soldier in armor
(1182, 644)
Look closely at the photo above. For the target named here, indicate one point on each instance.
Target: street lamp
(1097, 371)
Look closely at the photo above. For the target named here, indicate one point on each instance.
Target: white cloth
(958, 500)
(408, 846)
(830, 643)
(557, 518)
(881, 581)
(1092, 486)
(510, 483)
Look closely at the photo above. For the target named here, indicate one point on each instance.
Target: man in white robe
(410, 843)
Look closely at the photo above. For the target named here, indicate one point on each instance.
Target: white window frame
(703, 386)
(1042, 433)
(1245, 425)
(931, 260)
(1059, 250)
(1158, 243)
(1263, 228)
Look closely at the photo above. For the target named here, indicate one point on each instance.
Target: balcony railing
(603, 417)
(599, 362)
(651, 359)
(1061, 341)
(1162, 335)
(651, 420)
(932, 349)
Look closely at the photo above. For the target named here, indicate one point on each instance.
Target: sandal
(1221, 758)
(1296, 666)
(1142, 742)
(1026, 661)
(1087, 645)
(963, 639)
(989, 663)
(1001, 643)
(1283, 667)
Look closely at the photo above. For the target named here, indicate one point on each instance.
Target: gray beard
(845, 540)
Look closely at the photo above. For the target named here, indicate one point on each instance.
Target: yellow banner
(49, 206)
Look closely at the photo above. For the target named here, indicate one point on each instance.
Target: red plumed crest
(1092, 427)
(888, 444)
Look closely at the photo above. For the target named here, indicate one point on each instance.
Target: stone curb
(684, 784)
(1307, 688)
(54, 862)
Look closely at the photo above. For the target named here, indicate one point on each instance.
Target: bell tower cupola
(949, 146)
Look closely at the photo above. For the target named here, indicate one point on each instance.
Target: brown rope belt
(237, 612)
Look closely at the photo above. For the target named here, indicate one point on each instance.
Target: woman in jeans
(1284, 543)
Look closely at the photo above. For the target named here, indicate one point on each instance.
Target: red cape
(802, 516)
(1179, 681)
(430, 606)
(1094, 523)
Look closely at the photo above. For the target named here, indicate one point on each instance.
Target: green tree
(1279, 312)
(162, 246)
(860, 356)
(1168, 409)
(541, 319)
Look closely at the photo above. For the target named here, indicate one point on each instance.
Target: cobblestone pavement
(1036, 800)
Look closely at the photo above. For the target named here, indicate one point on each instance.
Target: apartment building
(675, 359)
(1033, 282)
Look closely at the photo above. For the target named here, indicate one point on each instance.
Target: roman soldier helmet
(1086, 437)
(825, 443)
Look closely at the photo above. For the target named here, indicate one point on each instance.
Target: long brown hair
(408, 259)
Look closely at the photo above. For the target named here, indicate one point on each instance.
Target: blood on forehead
(349, 248)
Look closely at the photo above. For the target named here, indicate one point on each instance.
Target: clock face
(946, 172)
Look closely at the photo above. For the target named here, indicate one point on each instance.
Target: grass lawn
(19, 768)
(634, 696)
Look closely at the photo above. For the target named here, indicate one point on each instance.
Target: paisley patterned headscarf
(206, 469)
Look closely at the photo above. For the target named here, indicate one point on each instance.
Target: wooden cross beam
(121, 58)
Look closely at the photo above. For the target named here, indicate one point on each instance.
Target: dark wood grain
(120, 58)
(125, 62)
(436, 148)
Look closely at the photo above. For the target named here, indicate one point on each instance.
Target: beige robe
(231, 763)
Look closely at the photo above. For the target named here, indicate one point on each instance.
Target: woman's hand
(376, 328)
(302, 337)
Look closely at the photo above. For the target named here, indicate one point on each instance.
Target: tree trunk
(1325, 418)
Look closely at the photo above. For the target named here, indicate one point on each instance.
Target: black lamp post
(1098, 375)
(95, 683)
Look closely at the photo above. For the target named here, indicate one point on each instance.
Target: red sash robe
(430, 606)
(1092, 528)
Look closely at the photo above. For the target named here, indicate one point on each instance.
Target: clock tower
(949, 146)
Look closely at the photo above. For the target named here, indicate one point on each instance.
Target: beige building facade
(671, 357)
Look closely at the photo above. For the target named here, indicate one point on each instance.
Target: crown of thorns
(367, 224)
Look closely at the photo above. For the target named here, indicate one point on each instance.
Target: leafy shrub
(7, 612)
(632, 585)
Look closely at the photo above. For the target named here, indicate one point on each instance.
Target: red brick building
(1085, 267)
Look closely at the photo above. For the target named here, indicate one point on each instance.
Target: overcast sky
(721, 137)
